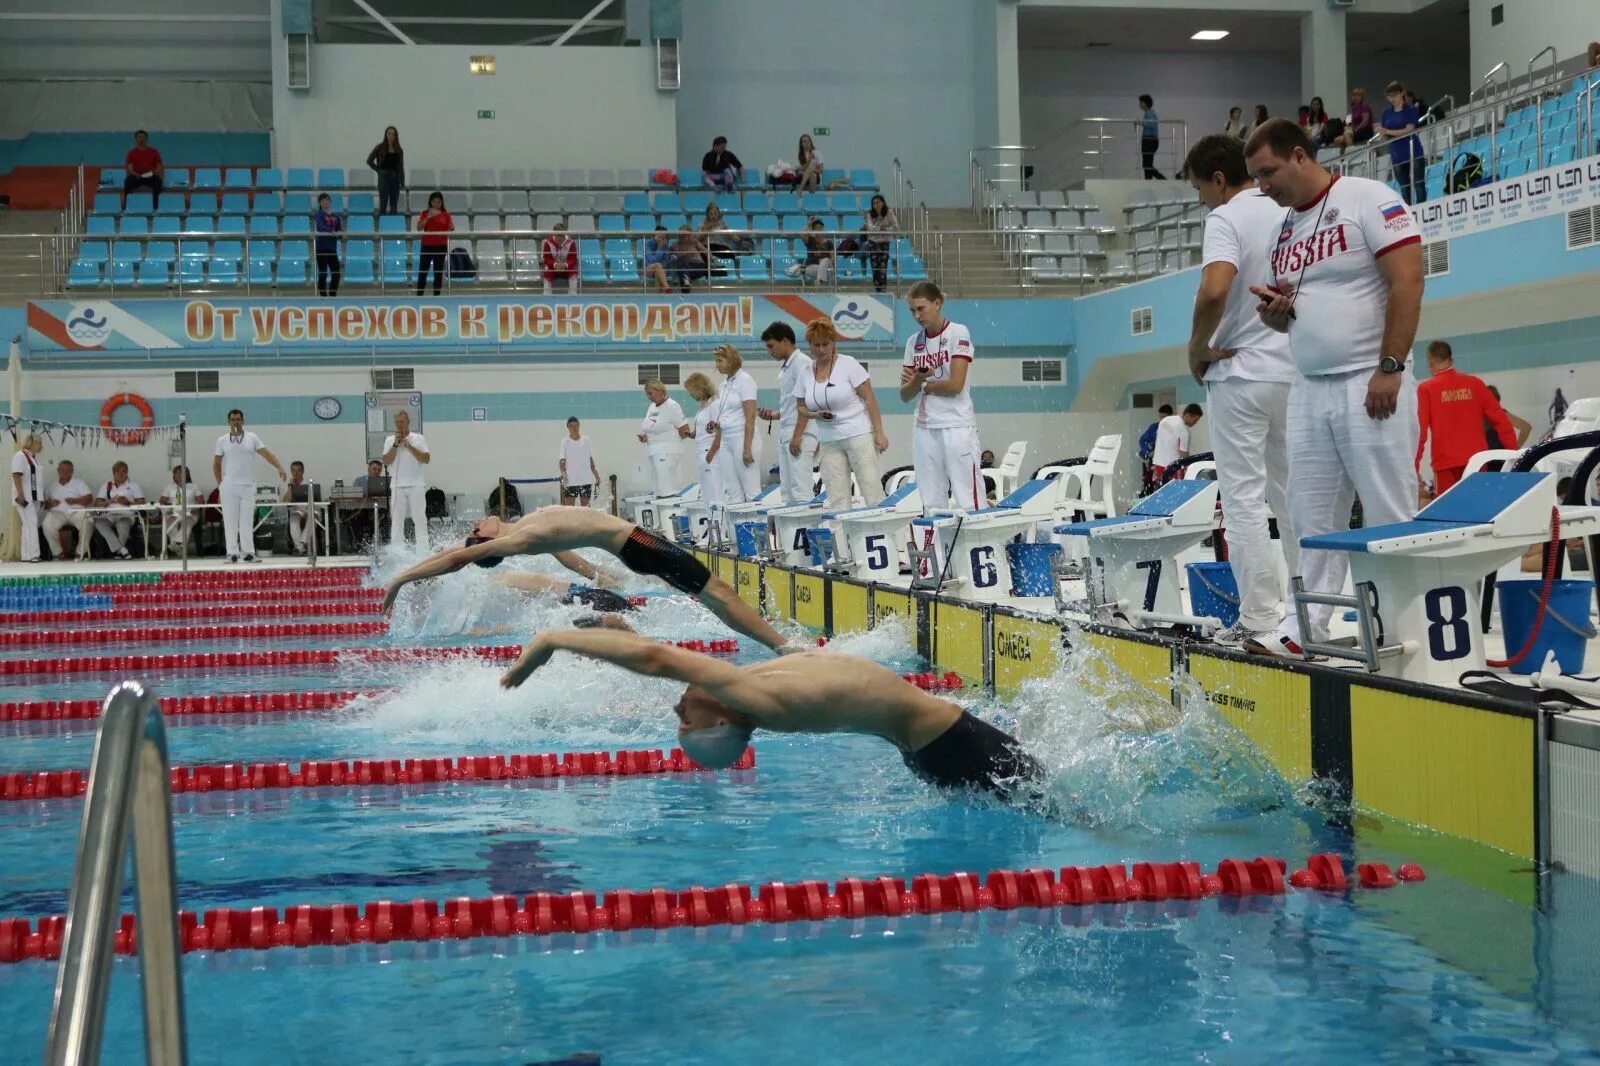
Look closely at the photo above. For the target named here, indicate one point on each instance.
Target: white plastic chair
(1008, 475)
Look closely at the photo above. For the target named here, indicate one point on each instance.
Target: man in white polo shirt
(64, 504)
(1172, 440)
(233, 464)
(797, 442)
(405, 454)
(579, 475)
(1346, 286)
(1246, 369)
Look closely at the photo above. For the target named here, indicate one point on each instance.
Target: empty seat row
(427, 178)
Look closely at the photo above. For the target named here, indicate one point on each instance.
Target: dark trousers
(1412, 177)
(133, 183)
(432, 259)
(388, 192)
(1147, 150)
(879, 254)
(328, 265)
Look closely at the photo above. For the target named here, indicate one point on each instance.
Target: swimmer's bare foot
(535, 655)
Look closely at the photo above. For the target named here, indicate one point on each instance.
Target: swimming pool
(1444, 969)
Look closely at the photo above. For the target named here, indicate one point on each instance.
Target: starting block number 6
(985, 575)
(1448, 634)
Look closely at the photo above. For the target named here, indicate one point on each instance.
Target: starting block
(788, 524)
(1133, 558)
(654, 512)
(870, 549)
(1418, 584)
(712, 525)
(972, 544)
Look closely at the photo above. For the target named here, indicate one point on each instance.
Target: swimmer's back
(831, 692)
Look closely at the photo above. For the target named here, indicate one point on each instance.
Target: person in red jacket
(434, 223)
(560, 254)
(144, 167)
(1454, 407)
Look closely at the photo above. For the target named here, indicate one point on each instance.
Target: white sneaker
(1278, 646)
(1235, 634)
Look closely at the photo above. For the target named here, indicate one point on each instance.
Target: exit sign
(819, 131)
(486, 114)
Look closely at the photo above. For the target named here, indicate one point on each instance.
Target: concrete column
(1008, 90)
(1323, 67)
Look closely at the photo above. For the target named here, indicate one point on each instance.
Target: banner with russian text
(309, 324)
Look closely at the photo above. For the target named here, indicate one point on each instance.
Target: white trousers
(741, 483)
(794, 471)
(30, 529)
(114, 528)
(410, 501)
(946, 466)
(1249, 425)
(238, 518)
(298, 518)
(853, 455)
(58, 518)
(177, 527)
(711, 481)
(663, 467)
(1337, 453)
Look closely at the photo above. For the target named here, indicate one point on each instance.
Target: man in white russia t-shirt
(233, 464)
(405, 453)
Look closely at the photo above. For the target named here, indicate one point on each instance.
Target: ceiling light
(1209, 35)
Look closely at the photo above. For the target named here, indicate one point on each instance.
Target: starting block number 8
(1448, 634)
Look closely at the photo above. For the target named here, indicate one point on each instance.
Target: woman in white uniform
(707, 440)
(659, 434)
(736, 422)
(27, 489)
(837, 396)
(234, 466)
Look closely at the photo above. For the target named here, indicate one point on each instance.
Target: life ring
(147, 418)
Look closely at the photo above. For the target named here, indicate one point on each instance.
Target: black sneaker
(233, 558)
(249, 558)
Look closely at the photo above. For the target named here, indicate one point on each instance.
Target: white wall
(1059, 87)
(1529, 26)
(1430, 74)
(554, 107)
(917, 82)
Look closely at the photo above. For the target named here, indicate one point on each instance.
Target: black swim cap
(487, 561)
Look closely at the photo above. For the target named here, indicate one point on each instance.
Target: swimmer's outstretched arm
(737, 688)
(598, 576)
(446, 562)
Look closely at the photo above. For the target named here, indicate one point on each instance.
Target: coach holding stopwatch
(1346, 287)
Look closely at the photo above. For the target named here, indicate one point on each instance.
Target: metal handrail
(128, 783)
(1547, 50)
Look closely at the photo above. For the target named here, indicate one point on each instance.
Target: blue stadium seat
(910, 268)
(191, 273)
(203, 203)
(863, 179)
(263, 224)
(100, 225)
(847, 201)
(329, 178)
(666, 201)
(160, 251)
(296, 223)
(849, 267)
(753, 268)
(292, 272)
(612, 224)
(126, 252)
(121, 272)
(784, 202)
(194, 249)
(360, 224)
(176, 178)
(392, 224)
(131, 224)
(112, 177)
(690, 179)
(812, 202)
(300, 178)
(269, 178)
(694, 201)
(637, 203)
(83, 275)
(784, 253)
(238, 178)
(358, 268)
(592, 267)
(642, 223)
(94, 252)
(852, 223)
(231, 224)
(108, 203)
(753, 178)
(223, 271)
(362, 203)
(756, 202)
(260, 271)
(794, 223)
(207, 178)
(833, 174)
(164, 224)
(764, 223)
(199, 224)
(155, 273)
(266, 203)
(829, 222)
(737, 220)
(139, 203)
(670, 223)
(236, 203)
(616, 246)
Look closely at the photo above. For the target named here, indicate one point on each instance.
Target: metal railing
(128, 787)
(1102, 147)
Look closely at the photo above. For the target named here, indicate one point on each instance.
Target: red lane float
(242, 777)
(235, 660)
(155, 596)
(190, 612)
(541, 914)
(175, 634)
(177, 706)
(345, 577)
(947, 682)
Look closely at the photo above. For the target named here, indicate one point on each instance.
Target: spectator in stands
(328, 226)
(657, 252)
(27, 493)
(1455, 408)
(1303, 117)
(1319, 120)
(1149, 138)
(720, 168)
(64, 504)
(810, 164)
(144, 167)
(434, 223)
(175, 524)
(820, 261)
(1399, 126)
(881, 226)
(689, 258)
(1358, 126)
(1261, 116)
(119, 493)
(1235, 126)
(560, 255)
(837, 396)
(1520, 426)
(389, 160)
(713, 232)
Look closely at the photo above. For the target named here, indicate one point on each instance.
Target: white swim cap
(716, 747)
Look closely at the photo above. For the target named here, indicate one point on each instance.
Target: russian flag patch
(1393, 211)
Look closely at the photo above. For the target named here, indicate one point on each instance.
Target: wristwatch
(1390, 365)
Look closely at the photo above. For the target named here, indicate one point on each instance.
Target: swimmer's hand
(535, 655)
(389, 597)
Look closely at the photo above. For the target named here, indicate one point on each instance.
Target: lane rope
(174, 634)
(465, 918)
(178, 706)
(189, 612)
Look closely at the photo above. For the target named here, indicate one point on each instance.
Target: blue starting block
(655, 512)
(788, 523)
(713, 523)
(1418, 584)
(1132, 562)
(871, 550)
(971, 545)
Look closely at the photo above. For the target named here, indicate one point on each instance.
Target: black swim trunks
(601, 600)
(646, 553)
(974, 754)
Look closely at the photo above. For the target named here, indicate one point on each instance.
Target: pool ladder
(128, 783)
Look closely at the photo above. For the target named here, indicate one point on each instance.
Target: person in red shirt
(145, 170)
(1454, 407)
(560, 254)
(434, 223)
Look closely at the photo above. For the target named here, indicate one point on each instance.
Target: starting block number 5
(877, 545)
(1449, 635)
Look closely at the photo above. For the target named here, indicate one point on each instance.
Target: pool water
(1442, 970)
